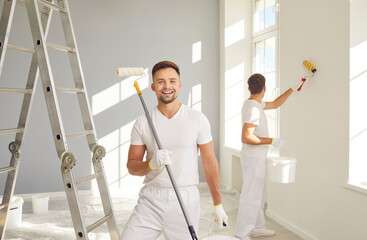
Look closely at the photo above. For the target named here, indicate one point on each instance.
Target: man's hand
(160, 157)
(220, 216)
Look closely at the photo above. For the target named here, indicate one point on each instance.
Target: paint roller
(310, 68)
(126, 72)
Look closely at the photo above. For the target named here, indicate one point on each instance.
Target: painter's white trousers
(158, 211)
(251, 207)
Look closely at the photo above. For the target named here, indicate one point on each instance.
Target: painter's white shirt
(181, 135)
(253, 112)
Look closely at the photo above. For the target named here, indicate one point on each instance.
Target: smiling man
(182, 131)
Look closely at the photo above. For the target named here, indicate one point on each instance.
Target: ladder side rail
(67, 159)
(5, 26)
(32, 81)
(6, 19)
(8, 193)
(87, 117)
(106, 200)
(19, 137)
(74, 205)
(46, 77)
(78, 75)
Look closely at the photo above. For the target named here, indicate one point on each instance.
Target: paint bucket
(14, 218)
(282, 169)
(40, 204)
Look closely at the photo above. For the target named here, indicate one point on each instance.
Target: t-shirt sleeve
(136, 138)
(252, 115)
(205, 134)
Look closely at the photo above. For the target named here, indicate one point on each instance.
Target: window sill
(356, 187)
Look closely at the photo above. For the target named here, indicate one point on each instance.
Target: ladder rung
(70, 90)
(6, 169)
(51, 5)
(15, 90)
(42, 10)
(60, 47)
(78, 134)
(99, 223)
(11, 130)
(19, 48)
(88, 178)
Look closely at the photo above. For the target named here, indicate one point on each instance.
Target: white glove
(220, 216)
(160, 157)
(277, 142)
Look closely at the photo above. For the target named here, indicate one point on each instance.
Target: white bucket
(219, 237)
(40, 204)
(14, 218)
(282, 169)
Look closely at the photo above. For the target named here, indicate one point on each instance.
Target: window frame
(263, 35)
(269, 29)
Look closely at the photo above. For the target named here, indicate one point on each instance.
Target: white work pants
(251, 207)
(158, 211)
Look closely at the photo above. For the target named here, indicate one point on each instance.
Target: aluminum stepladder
(39, 20)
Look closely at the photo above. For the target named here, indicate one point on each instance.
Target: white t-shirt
(253, 112)
(181, 135)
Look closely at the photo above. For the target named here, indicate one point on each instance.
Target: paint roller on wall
(310, 68)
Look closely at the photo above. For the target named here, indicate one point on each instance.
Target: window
(265, 15)
(265, 53)
(358, 99)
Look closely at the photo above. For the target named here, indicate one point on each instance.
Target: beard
(166, 101)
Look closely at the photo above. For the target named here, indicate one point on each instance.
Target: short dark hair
(163, 65)
(256, 83)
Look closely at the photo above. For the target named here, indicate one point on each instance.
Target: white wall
(235, 50)
(315, 124)
(110, 34)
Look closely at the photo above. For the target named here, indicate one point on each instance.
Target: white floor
(56, 224)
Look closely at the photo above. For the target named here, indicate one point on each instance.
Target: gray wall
(109, 34)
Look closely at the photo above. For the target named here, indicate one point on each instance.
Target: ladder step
(51, 5)
(60, 47)
(6, 169)
(42, 10)
(88, 178)
(15, 90)
(79, 134)
(3, 205)
(99, 223)
(20, 48)
(11, 130)
(70, 90)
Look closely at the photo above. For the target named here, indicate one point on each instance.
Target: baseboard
(296, 230)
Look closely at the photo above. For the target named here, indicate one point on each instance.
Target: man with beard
(182, 131)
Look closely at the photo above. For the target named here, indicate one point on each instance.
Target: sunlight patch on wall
(105, 99)
(358, 117)
(358, 60)
(127, 85)
(196, 52)
(196, 97)
(234, 97)
(234, 33)
(117, 146)
(118, 92)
